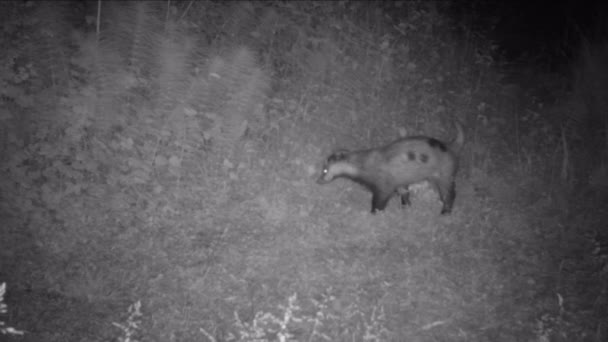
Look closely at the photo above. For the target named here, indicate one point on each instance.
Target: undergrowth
(158, 161)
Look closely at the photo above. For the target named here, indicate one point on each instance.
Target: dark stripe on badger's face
(337, 156)
(434, 143)
(337, 165)
(411, 156)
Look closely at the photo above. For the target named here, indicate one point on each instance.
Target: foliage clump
(164, 154)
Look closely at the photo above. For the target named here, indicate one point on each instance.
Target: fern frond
(235, 86)
(241, 21)
(53, 41)
(134, 29)
(173, 71)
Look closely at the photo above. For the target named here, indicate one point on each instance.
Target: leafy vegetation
(158, 163)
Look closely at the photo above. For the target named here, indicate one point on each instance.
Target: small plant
(292, 323)
(133, 323)
(266, 324)
(3, 309)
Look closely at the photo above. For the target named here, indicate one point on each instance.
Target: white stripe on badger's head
(337, 165)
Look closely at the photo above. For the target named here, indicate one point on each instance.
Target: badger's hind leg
(447, 194)
(404, 192)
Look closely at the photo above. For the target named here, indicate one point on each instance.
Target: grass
(165, 191)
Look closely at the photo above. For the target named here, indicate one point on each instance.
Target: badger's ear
(338, 155)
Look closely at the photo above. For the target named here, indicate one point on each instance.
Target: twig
(566, 157)
(98, 28)
(186, 10)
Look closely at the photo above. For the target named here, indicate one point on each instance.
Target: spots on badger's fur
(434, 143)
(390, 169)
